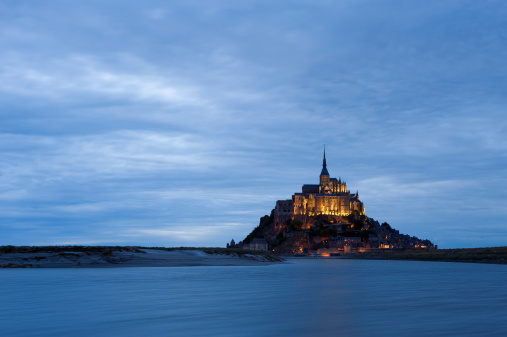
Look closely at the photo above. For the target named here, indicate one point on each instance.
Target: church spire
(324, 165)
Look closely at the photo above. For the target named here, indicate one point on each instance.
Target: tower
(324, 174)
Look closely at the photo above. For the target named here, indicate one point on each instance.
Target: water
(303, 298)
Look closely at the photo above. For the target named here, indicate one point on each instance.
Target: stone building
(256, 244)
(330, 197)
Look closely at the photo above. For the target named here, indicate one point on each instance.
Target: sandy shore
(129, 258)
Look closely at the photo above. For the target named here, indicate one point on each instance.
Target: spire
(324, 165)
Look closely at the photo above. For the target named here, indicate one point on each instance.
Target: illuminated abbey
(325, 219)
(329, 197)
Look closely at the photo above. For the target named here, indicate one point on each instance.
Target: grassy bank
(495, 255)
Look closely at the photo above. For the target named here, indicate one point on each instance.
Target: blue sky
(181, 123)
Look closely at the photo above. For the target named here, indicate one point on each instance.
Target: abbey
(325, 219)
(329, 197)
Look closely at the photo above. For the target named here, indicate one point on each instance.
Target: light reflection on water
(301, 298)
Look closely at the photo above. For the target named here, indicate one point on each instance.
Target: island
(326, 219)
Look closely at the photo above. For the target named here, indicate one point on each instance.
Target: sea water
(307, 297)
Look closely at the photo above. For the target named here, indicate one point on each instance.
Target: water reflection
(303, 298)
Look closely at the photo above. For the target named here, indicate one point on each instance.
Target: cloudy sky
(180, 123)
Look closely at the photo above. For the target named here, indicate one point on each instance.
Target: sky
(180, 123)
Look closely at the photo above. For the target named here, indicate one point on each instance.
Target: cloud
(82, 75)
(121, 153)
(183, 116)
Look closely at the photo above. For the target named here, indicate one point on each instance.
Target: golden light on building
(330, 197)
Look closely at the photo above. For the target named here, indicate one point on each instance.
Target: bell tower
(324, 174)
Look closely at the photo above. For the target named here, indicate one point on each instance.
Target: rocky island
(326, 219)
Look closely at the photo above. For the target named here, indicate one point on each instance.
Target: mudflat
(103, 257)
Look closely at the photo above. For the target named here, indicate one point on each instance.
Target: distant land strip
(119, 256)
(493, 255)
(132, 256)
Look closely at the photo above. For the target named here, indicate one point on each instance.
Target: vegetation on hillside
(265, 222)
(318, 231)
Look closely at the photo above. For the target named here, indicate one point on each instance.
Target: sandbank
(101, 258)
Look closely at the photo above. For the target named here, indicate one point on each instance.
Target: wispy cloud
(161, 118)
(75, 77)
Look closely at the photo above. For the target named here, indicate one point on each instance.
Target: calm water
(303, 298)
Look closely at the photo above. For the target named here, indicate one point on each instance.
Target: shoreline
(486, 255)
(119, 256)
(116, 257)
